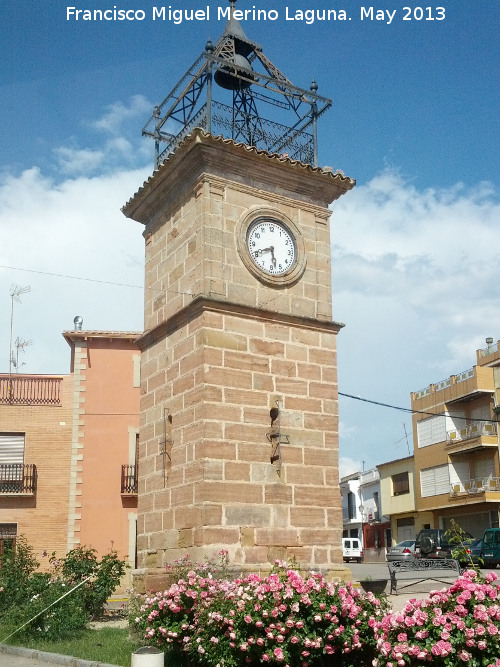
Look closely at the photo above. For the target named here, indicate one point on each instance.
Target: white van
(351, 549)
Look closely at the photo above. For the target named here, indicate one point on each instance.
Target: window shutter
(434, 481)
(12, 448)
(430, 431)
(427, 483)
(442, 479)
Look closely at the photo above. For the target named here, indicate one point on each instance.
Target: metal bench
(430, 569)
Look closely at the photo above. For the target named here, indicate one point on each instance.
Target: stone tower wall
(216, 488)
(221, 348)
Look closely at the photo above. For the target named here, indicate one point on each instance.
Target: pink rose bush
(301, 621)
(456, 625)
(283, 619)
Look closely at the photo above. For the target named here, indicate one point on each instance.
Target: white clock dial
(271, 246)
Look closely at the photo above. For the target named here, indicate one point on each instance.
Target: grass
(109, 645)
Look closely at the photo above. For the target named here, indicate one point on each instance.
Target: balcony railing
(129, 480)
(475, 486)
(476, 430)
(444, 384)
(17, 479)
(30, 390)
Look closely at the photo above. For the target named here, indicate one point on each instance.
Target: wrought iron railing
(30, 390)
(129, 479)
(18, 478)
(249, 129)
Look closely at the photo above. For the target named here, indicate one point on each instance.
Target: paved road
(379, 570)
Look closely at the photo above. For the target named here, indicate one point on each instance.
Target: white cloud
(347, 466)
(415, 275)
(115, 150)
(116, 114)
(66, 238)
(75, 161)
(72, 228)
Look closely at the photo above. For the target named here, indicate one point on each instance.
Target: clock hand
(273, 258)
(262, 250)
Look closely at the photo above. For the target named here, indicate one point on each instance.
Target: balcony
(129, 480)
(477, 486)
(472, 437)
(462, 386)
(17, 479)
(30, 390)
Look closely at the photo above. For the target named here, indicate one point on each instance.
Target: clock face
(271, 246)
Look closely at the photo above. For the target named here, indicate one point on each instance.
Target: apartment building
(35, 454)
(68, 448)
(455, 432)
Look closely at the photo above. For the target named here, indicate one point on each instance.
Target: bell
(227, 75)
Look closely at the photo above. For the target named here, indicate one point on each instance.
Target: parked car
(476, 551)
(404, 550)
(473, 552)
(491, 547)
(433, 543)
(351, 549)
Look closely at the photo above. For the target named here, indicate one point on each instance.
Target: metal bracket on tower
(276, 437)
(166, 444)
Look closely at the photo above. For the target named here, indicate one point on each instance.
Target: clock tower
(239, 422)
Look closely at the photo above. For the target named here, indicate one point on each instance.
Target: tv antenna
(15, 295)
(405, 437)
(20, 345)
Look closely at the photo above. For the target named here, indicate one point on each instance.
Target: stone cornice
(203, 153)
(202, 304)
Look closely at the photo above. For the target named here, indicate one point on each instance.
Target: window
(431, 430)
(12, 448)
(405, 521)
(8, 534)
(400, 484)
(351, 505)
(11, 462)
(434, 481)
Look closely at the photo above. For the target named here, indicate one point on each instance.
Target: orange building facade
(68, 450)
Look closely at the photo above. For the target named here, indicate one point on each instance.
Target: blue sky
(414, 120)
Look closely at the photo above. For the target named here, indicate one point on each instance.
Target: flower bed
(302, 621)
(453, 626)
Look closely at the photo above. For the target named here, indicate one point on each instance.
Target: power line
(61, 275)
(415, 412)
(92, 280)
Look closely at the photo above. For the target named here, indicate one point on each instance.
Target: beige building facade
(397, 497)
(455, 430)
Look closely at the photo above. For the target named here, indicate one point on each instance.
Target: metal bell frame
(243, 73)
